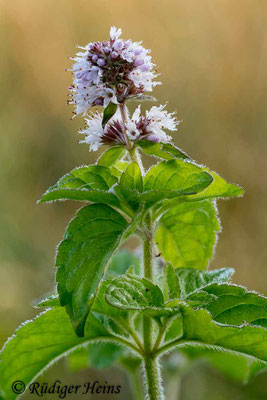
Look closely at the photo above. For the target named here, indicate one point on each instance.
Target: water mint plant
(136, 308)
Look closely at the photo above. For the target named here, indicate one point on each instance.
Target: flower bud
(101, 62)
(118, 45)
(114, 55)
(139, 62)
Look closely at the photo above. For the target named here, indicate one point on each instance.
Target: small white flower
(132, 131)
(96, 135)
(93, 132)
(115, 33)
(153, 124)
(109, 96)
(160, 118)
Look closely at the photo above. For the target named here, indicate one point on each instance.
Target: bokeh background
(212, 55)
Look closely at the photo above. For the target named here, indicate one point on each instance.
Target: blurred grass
(212, 56)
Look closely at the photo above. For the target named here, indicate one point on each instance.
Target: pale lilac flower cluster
(111, 71)
(114, 71)
(148, 127)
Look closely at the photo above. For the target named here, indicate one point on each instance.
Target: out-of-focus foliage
(212, 56)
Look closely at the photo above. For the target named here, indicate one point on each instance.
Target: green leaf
(119, 167)
(177, 176)
(112, 156)
(187, 233)
(95, 196)
(192, 280)
(39, 343)
(89, 243)
(131, 362)
(131, 178)
(84, 183)
(237, 366)
(199, 328)
(109, 111)
(200, 299)
(142, 98)
(78, 359)
(50, 301)
(173, 283)
(129, 292)
(122, 261)
(234, 305)
(219, 188)
(103, 355)
(166, 151)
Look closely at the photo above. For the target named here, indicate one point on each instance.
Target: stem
(154, 385)
(148, 273)
(124, 120)
(117, 339)
(172, 344)
(130, 330)
(151, 363)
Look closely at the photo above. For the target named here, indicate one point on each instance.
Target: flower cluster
(138, 127)
(111, 71)
(107, 74)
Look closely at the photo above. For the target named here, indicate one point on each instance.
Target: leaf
(219, 188)
(95, 196)
(119, 167)
(109, 111)
(142, 98)
(78, 359)
(164, 151)
(177, 176)
(192, 280)
(83, 255)
(234, 305)
(103, 355)
(173, 283)
(130, 362)
(200, 299)
(112, 156)
(129, 292)
(131, 178)
(199, 328)
(131, 183)
(122, 261)
(187, 233)
(50, 301)
(39, 343)
(237, 366)
(84, 183)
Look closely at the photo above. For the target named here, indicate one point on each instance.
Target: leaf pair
(208, 326)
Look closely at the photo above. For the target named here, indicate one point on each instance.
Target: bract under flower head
(111, 71)
(149, 127)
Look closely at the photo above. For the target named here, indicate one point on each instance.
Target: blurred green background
(212, 55)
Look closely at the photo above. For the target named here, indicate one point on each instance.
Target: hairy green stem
(130, 330)
(151, 363)
(154, 385)
(124, 120)
(148, 273)
(172, 344)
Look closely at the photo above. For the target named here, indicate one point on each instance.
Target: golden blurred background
(212, 55)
